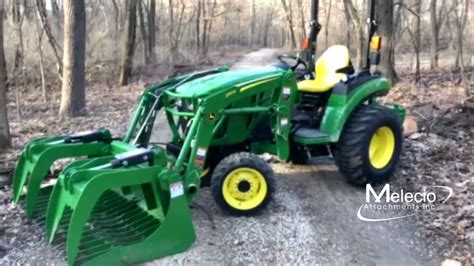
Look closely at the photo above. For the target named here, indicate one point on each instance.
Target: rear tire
(369, 148)
(242, 184)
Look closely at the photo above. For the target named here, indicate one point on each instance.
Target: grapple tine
(79, 218)
(55, 211)
(38, 173)
(19, 178)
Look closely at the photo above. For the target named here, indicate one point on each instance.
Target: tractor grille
(114, 222)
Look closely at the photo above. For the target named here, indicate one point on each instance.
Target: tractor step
(306, 135)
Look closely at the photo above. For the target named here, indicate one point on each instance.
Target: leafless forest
(70, 65)
(124, 37)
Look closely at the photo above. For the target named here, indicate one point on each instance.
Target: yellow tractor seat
(334, 58)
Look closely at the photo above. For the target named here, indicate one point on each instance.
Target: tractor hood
(213, 83)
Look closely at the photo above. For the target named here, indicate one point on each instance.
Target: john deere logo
(212, 116)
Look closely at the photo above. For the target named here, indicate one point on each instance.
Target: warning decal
(176, 189)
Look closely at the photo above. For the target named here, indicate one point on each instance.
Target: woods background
(53, 44)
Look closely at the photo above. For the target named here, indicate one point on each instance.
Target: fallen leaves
(441, 152)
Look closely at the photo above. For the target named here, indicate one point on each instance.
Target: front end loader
(123, 201)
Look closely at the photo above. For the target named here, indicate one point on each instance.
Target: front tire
(242, 184)
(369, 148)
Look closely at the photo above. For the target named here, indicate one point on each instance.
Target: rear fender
(343, 102)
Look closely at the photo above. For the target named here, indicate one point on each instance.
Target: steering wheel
(297, 61)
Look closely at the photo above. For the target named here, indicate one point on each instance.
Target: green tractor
(127, 200)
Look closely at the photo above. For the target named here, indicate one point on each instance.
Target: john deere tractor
(127, 200)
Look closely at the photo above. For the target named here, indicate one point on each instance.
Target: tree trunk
(41, 12)
(4, 127)
(74, 58)
(198, 27)
(143, 33)
(289, 18)
(359, 31)
(460, 20)
(266, 27)
(204, 28)
(116, 29)
(39, 36)
(302, 16)
(418, 41)
(129, 42)
(384, 12)
(252, 23)
(326, 27)
(348, 27)
(208, 28)
(152, 30)
(17, 17)
(434, 36)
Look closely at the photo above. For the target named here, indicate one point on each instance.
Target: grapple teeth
(55, 211)
(37, 158)
(19, 177)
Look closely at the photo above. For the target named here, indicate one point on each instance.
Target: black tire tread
(350, 147)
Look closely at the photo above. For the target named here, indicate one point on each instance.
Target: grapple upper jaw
(39, 155)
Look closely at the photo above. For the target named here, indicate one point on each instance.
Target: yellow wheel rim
(244, 188)
(382, 147)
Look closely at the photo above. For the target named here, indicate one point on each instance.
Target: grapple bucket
(38, 156)
(116, 210)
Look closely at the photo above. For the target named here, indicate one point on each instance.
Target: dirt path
(312, 219)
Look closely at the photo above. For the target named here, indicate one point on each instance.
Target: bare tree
(73, 91)
(289, 18)
(347, 15)
(39, 35)
(41, 12)
(198, 26)
(207, 27)
(129, 41)
(385, 18)
(416, 38)
(253, 22)
(176, 27)
(354, 15)
(4, 127)
(460, 12)
(17, 17)
(436, 22)
(143, 33)
(266, 26)
(151, 30)
(326, 28)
